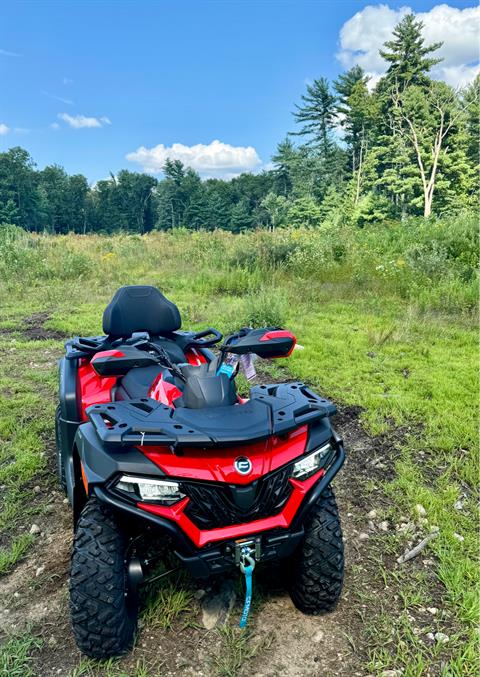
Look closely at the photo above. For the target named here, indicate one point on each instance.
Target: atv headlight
(160, 491)
(310, 464)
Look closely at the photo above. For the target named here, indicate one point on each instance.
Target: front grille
(221, 505)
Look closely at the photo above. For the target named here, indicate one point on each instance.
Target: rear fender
(69, 419)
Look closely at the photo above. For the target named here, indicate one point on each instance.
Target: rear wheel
(58, 444)
(103, 611)
(317, 575)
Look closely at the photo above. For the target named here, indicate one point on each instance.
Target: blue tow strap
(247, 571)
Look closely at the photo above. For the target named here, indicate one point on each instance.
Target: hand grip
(199, 340)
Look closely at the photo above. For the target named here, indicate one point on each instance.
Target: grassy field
(388, 324)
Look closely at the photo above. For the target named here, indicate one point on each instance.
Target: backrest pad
(138, 308)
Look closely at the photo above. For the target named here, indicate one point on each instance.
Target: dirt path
(283, 640)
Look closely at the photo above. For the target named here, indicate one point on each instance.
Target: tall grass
(433, 263)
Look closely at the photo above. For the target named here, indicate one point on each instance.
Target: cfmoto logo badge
(243, 465)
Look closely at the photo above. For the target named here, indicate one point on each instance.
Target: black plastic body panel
(319, 433)
(69, 418)
(203, 388)
(101, 465)
(144, 519)
(112, 365)
(259, 342)
(272, 410)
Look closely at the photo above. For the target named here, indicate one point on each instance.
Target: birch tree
(426, 120)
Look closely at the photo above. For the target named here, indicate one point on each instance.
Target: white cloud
(69, 102)
(363, 35)
(5, 52)
(81, 121)
(213, 159)
(67, 81)
(4, 129)
(55, 125)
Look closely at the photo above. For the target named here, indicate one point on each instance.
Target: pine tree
(218, 211)
(318, 115)
(283, 161)
(358, 111)
(304, 212)
(345, 84)
(9, 212)
(240, 218)
(276, 208)
(407, 55)
(171, 198)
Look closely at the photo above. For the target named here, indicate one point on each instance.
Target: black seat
(142, 308)
(138, 308)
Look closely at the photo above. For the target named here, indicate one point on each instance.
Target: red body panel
(200, 537)
(195, 357)
(280, 333)
(95, 389)
(217, 465)
(164, 392)
(277, 333)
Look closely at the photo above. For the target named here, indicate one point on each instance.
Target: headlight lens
(310, 464)
(160, 491)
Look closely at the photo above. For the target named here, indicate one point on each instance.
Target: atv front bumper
(207, 552)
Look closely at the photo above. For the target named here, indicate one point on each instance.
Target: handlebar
(199, 339)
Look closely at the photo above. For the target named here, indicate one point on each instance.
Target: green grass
(165, 605)
(235, 651)
(383, 328)
(110, 668)
(16, 655)
(17, 550)
(27, 386)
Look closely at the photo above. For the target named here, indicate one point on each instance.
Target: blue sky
(86, 83)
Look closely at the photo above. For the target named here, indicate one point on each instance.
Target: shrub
(265, 309)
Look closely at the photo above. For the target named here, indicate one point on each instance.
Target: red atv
(156, 452)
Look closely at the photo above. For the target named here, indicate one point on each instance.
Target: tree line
(407, 146)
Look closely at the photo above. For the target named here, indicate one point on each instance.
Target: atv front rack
(271, 410)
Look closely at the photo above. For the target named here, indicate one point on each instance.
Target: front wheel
(103, 612)
(317, 575)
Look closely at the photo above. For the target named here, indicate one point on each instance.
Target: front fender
(101, 465)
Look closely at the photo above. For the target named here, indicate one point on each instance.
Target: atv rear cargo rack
(272, 410)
